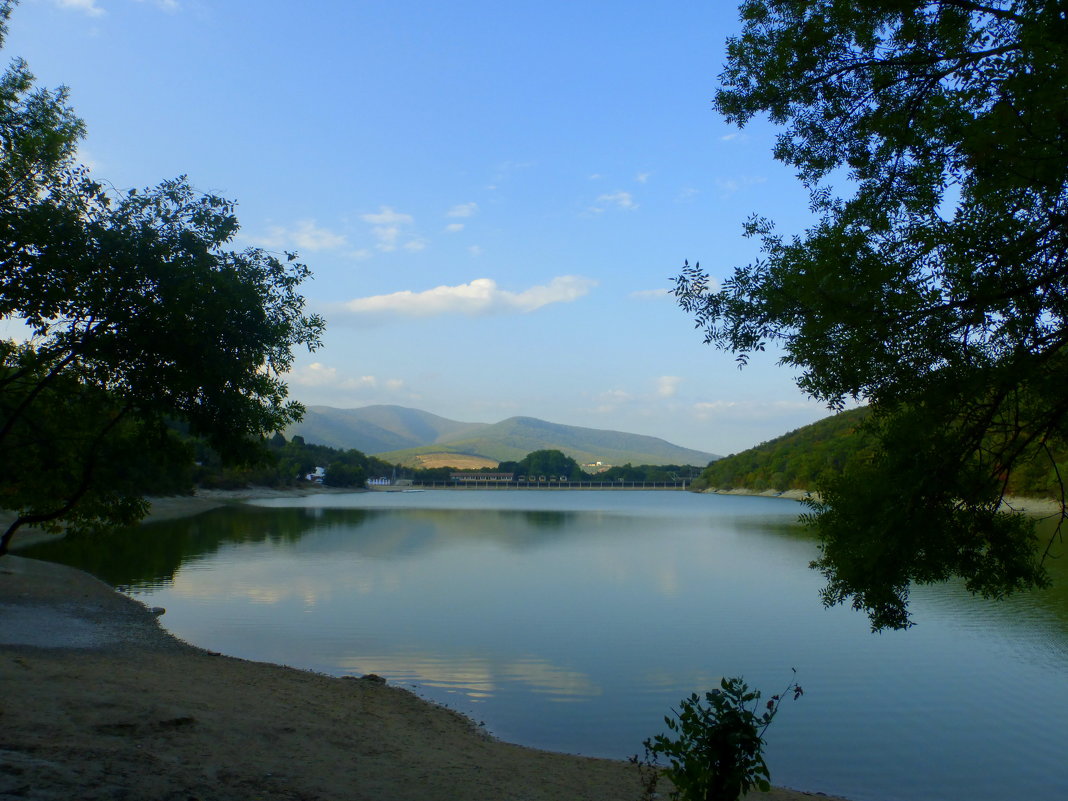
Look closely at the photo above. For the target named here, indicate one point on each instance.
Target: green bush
(715, 749)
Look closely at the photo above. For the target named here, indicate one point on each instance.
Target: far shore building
(482, 478)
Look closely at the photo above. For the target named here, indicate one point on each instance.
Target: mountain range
(411, 436)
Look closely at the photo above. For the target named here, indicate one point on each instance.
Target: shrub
(715, 749)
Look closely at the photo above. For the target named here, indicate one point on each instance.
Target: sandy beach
(100, 702)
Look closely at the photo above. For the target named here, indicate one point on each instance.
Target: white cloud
(453, 228)
(387, 227)
(623, 200)
(475, 250)
(642, 177)
(87, 6)
(387, 236)
(688, 193)
(166, 5)
(315, 374)
(651, 294)
(667, 386)
(480, 296)
(462, 210)
(321, 376)
(306, 235)
(387, 216)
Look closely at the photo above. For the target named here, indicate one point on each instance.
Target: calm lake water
(574, 621)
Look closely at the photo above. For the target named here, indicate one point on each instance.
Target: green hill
(795, 460)
(398, 434)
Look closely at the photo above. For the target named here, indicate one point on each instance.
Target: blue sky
(492, 196)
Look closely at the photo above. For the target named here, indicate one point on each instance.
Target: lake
(574, 621)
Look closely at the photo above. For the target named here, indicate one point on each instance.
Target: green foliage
(658, 473)
(932, 283)
(139, 316)
(551, 463)
(815, 455)
(715, 749)
(800, 459)
(933, 538)
(286, 464)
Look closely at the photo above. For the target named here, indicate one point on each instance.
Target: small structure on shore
(482, 478)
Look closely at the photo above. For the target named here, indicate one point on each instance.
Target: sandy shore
(99, 702)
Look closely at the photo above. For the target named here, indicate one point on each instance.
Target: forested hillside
(795, 460)
(802, 458)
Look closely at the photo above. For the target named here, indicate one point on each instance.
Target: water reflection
(148, 556)
(475, 678)
(577, 628)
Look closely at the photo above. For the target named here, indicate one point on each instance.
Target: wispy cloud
(453, 228)
(667, 386)
(610, 401)
(642, 177)
(387, 216)
(85, 6)
(387, 227)
(305, 235)
(166, 5)
(505, 170)
(731, 185)
(91, 8)
(481, 296)
(319, 375)
(753, 410)
(315, 374)
(462, 210)
(621, 199)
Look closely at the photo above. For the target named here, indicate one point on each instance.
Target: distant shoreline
(1036, 507)
(789, 495)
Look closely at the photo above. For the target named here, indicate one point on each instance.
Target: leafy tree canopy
(139, 315)
(550, 463)
(933, 283)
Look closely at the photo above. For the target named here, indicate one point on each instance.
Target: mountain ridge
(402, 434)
